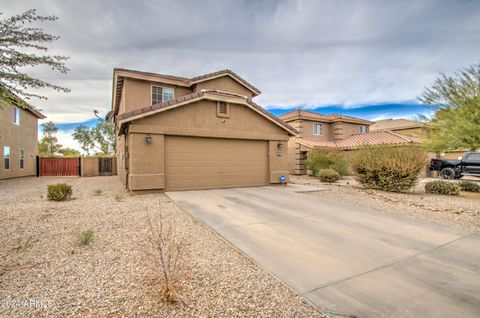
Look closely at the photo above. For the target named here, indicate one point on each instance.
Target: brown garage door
(207, 163)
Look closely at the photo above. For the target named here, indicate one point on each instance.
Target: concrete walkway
(347, 260)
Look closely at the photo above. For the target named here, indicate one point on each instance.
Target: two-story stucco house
(18, 138)
(317, 130)
(176, 133)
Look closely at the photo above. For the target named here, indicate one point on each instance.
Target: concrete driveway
(347, 260)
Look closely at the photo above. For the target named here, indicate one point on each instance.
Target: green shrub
(442, 187)
(97, 192)
(327, 159)
(118, 197)
(328, 175)
(469, 186)
(393, 169)
(85, 237)
(59, 191)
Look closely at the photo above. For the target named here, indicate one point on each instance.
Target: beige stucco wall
(89, 166)
(349, 129)
(146, 166)
(137, 93)
(224, 83)
(307, 131)
(121, 159)
(23, 136)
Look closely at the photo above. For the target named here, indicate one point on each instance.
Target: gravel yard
(41, 261)
(461, 211)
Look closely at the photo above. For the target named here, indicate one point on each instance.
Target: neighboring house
(176, 133)
(332, 131)
(18, 138)
(407, 127)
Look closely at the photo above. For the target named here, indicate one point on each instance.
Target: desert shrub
(97, 192)
(118, 197)
(327, 159)
(393, 169)
(328, 175)
(166, 251)
(59, 191)
(85, 237)
(469, 186)
(442, 187)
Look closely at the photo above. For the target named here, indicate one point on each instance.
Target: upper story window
(363, 130)
(6, 158)
(317, 129)
(16, 115)
(161, 94)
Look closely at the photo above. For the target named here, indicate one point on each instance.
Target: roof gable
(15, 100)
(211, 94)
(120, 73)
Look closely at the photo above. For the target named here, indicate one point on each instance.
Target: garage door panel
(202, 163)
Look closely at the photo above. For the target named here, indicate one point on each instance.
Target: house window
(6, 158)
(161, 94)
(317, 129)
(22, 158)
(16, 115)
(223, 109)
(363, 130)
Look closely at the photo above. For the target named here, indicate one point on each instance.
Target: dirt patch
(44, 272)
(461, 211)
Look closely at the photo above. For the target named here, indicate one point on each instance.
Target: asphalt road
(347, 260)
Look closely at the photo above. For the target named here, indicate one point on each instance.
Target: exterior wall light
(280, 145)
(148, 139)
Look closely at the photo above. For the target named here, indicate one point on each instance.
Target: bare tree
(167, 249)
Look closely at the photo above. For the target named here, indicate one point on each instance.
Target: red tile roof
(309, 115)
(383, 137)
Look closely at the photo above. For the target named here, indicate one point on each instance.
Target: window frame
(162, 94)
(360, 129)
(21, 159)
(5, 157)
(16, 115)
(315, 124)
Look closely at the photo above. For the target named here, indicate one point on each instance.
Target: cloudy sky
(362, 58)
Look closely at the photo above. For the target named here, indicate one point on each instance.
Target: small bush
(59, 192)
(469, 186)
(118, 197)
(327, 159)
(442, 187)
(97, 192)
(393, 169)
(85, 237)
(328, 175)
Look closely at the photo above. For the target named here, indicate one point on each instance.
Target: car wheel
(447, 173)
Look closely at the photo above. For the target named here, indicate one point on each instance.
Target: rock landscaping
(461, 211)
(84, 257)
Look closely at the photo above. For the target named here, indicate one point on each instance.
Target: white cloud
(311, 53)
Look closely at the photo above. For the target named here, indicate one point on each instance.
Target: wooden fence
(58, 167)
(81, 166)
